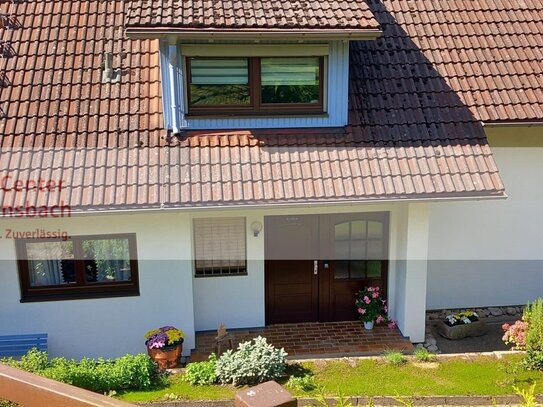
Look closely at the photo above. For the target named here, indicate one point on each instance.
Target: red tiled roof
(251, 14)
(417, 96)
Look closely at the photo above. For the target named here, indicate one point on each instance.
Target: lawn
(369, 377)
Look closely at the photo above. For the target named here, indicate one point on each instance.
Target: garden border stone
(506, 400)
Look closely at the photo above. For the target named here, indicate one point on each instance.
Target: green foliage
(202, 373)
(533, 315)
(130, 372)
(5, 403)
(304, 383)
(424, 355)
(253, 362)
(528, 398)
(533, 360)
(395, 358)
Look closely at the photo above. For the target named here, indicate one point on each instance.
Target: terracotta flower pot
(167, 357)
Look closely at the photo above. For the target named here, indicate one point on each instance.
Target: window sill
(78, 296)
(245, 116)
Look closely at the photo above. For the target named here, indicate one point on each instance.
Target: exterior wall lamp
(256, 227)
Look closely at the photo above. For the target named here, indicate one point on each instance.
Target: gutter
(251, 34)
(513, 124)
(295, 205)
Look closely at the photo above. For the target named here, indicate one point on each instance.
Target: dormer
(253, 64)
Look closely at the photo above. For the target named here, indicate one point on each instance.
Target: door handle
(315, 267)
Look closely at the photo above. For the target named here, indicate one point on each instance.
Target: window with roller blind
(219, 247)
(259, 85)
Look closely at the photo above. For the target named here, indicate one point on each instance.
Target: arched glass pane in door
(359, 248)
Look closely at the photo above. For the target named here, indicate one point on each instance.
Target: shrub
(130, 372)
(394, 357)
(202, 373)
(515, 334)
(533, 315)
(253, 362)
(424, 355)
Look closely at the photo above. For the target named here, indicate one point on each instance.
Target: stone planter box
(477, 328)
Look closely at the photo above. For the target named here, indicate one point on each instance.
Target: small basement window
(255, 85)
(219, 247)
(77, 268)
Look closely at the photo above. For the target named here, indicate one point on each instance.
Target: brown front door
(315, 264)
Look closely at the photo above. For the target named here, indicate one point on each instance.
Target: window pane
(358, 269)
(374, 268)
(219, 81)
(106, 260)
(341, 269)
(290, 80)
(50, 263)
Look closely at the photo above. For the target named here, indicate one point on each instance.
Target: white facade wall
(170, 295)
(107, 327)
(485, 253)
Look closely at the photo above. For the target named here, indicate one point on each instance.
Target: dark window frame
(256, 108)
(81, 289)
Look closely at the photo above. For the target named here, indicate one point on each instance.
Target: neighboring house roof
(251, 14)
(417, 96)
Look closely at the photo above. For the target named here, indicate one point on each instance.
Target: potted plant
(165, 345)
(371, 307)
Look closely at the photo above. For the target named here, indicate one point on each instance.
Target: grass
(370, 377)
(394, 357)
(424, 355)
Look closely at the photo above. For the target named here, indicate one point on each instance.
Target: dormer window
(286, 67)
(255, 85)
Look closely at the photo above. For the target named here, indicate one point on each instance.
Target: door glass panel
(358, 249)
(374, 268)
(342, 231)
(375, 230)
(342, 250)
(358, 228)
(358, 269)
(341, 269)
(375, 250)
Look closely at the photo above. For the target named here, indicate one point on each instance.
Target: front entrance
(315, 264)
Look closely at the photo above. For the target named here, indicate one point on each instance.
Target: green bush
(202, 373)
(253, 362)
(130, 372)
(533, 315)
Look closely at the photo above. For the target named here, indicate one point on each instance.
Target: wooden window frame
(81, 289)
(256, 108)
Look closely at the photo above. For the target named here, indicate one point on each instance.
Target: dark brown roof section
(488, 51)
(251, 15)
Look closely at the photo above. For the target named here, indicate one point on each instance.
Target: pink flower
(361, 311)
(375, 295)
(367, 299)
(385, 308)
(392, 324)
(370, 289)
(380, 319)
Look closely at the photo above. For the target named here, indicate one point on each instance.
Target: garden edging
(506, 400)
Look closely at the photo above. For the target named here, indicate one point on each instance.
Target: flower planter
(477, 328)
(368, 325)
(167, 357)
